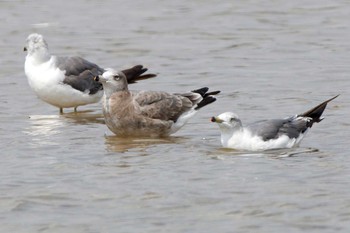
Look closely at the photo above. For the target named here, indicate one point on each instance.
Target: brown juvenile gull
(267, 134)
(66, 82)
(147, 113)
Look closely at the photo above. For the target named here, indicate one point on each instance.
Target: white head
(37, 48)
(228, 122)
(35, 42)
(112, 81)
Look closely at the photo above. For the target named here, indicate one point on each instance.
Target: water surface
(68, 173)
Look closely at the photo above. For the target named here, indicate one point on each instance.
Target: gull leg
(61, 110)
(75, 109)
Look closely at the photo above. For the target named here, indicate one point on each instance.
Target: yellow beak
(216, 119)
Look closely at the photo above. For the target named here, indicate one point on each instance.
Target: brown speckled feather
(124, 118)
(147, 113)
(161, 105)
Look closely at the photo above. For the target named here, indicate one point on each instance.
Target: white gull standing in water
(267, 134)
(147, 113)
(66, 82)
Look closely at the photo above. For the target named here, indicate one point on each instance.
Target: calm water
(69, 174)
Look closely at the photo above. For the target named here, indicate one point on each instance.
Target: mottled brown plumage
(147, 113)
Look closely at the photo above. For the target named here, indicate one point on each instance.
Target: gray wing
(272, 129)
(74, 66)
(84, 82)
(162, 105)
(80, 73)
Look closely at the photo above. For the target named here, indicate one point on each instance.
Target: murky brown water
(69, 174)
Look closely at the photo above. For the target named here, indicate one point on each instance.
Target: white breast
(46, 80)
(244, 140)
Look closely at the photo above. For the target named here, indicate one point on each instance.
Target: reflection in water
(255, 53)
(275, 153)
(124, 144)
(43, 127)
(85, 117)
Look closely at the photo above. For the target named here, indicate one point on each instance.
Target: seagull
(267, 134)
(147, 113)
(66, 82)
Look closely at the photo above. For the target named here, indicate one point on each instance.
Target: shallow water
(68, 173)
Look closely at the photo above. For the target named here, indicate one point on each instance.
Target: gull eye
(116, 77)
(232, 119)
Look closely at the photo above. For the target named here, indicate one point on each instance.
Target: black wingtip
(201, 91)
(316, 112)
(204, 92)
(211, 93)
(135, 74)
(207, 100)
(143, 77)
(207, 97)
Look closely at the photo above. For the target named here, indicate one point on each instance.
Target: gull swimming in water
(66, 82)
(267, 134)
(147, 113)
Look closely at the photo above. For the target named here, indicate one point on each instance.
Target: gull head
(112, 81)
(227, 121)
(36, 43)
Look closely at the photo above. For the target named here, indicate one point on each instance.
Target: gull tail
(207, 97)
(316, 112)
(135, 74)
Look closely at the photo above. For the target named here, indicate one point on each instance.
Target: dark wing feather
(267, 129)
(80, 73)
(83, 82)
(272, 129)
(135, 74)
(316, 112)
(294, 126)
(161, 105)
(77, 65)
(291, 126)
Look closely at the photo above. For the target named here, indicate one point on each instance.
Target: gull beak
(100, 79)
(216, 119)
(25, 49)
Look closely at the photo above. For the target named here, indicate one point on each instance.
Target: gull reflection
(43, 128)
(220, 153)
(124, 144)
(84, 117)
